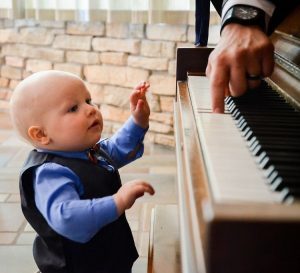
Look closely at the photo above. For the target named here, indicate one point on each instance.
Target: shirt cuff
(108, 205)
(134, 128)
(265, 5)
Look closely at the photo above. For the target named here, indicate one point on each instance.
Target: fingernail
(217, 110)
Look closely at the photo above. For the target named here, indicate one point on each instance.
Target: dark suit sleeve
(282, 9)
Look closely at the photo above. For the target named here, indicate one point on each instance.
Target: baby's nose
(91, 109)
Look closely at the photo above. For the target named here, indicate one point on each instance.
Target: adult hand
(241, 51)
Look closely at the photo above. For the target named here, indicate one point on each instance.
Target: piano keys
(238, 172)
(271, 128)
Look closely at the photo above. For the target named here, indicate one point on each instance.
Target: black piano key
(288, 192)
(265, 122)
(280, 148)
(275, 142)
(267, 160)
(282, 169)
(280, 184)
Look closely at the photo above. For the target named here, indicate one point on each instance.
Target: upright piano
(239, 172)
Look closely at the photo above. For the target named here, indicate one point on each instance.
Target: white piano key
(201, 100)
(233, 174)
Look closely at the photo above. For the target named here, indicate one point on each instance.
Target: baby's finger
(140, 104)
(148, 188)
(146, 85)
(134, 97)
(140, 85)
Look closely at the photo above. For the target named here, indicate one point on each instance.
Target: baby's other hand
(129, 192)
(139, 106)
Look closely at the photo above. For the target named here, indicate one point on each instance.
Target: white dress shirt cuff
(265, 5)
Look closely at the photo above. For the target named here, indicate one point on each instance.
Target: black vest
(111, 250)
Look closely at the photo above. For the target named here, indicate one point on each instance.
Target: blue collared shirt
(58, 189)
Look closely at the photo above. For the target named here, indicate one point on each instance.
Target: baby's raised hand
(139, 106)
(129, 192)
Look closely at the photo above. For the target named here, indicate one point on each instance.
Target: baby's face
(71, 122)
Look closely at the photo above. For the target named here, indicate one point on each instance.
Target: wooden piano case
(221, 237)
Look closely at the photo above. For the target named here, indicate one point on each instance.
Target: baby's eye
(89, 101)
(73, 109)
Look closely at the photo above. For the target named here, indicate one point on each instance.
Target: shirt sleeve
(57, 196)
(126, 144)
(267, 6)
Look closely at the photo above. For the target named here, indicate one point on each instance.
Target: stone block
(38, 65)
(52, 24)
(13, 84)
(163, 84)
(172, 67)
(117, 30)
(167, 104)
(3, 93)
(137, 31)
(166, 118)
(167, 140)
(68, 67)
(11, 72)
(160, 127)
(83, 57)
(213, 35)
(153, 101)
(28, 51)
(117, 96)
(86, 28)
(36, 36)
(158, 49)
(9, 35)
(4, 105)
(73, 42)
(4, 82)
(19, 23)
(114, 58)
(118, 45)
(115, 114)
(107, 128)
(14, 61)
(166, 32)
(8, 23)
(148, 63)
(26, 74)
(115, 75)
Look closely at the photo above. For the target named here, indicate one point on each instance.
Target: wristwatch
(245, 15)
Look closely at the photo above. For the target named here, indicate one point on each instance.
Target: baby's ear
(37, 134)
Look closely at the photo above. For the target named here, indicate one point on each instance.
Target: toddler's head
(53, 111)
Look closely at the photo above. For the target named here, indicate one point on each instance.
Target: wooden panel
(164, 253)
(191, 60)
(192, 184)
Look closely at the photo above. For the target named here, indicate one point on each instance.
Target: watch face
(245, 13)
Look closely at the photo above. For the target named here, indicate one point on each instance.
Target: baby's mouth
(94, 124)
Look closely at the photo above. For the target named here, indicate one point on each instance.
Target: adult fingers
(218, 81)
(237, 82)
(268, 60)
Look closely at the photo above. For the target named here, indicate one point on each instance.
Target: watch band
(259, 20)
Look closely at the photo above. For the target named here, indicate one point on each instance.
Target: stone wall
(110, 58)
